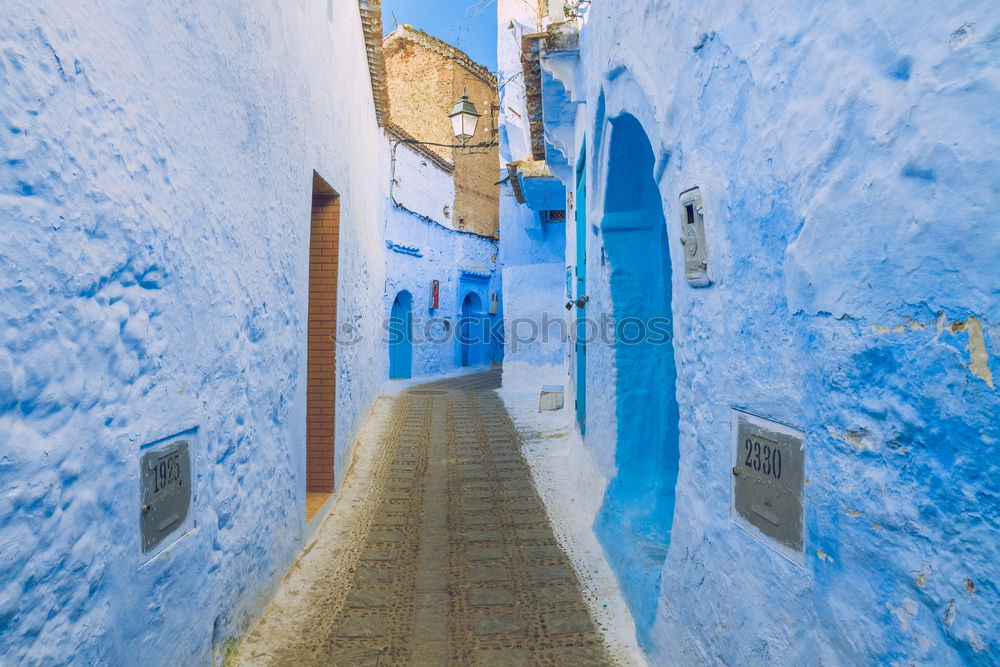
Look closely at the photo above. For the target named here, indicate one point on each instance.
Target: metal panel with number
(694, 239)
(768, 481)
(165, 473)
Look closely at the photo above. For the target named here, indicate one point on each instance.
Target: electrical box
(165, 477)
(551, 398)
(693, 238)
(494, 303)
(768, 482)
(435, 294)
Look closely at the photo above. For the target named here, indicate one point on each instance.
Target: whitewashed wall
(847, 157)
(423, 244)
(532, 252)
(155, 199)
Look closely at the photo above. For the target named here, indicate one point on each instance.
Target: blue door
(470, 331)
(401, 337)
(581, 293)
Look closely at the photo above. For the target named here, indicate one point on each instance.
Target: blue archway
(636, 518)
(401, 337)
(470, 332)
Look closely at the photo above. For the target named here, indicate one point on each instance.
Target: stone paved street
(457, 563)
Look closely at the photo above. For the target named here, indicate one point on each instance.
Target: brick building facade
(425, 77)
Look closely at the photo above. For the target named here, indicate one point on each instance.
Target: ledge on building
(557, 49)
(536, 186)
(476, 275)
(371, 26)
(532, 69)
(562, 38)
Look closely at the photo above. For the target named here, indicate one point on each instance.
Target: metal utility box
(694, 239)
(165, 476)
(768, 482)
(551, 398)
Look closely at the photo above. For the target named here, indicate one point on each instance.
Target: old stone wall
(421, 91)
(477, 170)
(424, 83)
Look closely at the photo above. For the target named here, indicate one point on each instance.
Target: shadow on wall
(637, 515)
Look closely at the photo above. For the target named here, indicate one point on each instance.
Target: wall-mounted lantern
(464, 119)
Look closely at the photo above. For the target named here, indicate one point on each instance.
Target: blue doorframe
(401, 337)
(474, 333)
(581, 292)
(471, 330)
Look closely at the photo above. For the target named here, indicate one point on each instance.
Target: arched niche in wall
(636, 518)
(401, 337)
(471, 330)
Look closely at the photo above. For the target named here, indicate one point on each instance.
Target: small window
(689, 211)
(553, 216)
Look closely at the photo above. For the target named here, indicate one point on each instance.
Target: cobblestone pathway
(458, 565)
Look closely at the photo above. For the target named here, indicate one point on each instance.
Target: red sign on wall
(435, 292)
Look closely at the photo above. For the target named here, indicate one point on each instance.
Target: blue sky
(471, 25)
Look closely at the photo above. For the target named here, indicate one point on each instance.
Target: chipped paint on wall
(979, 356)
(979, 362)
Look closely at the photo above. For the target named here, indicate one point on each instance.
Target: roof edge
(408, 139)
(418, 36)
(371, 26)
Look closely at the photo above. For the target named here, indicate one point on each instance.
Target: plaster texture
(155, 197)
(846, 158)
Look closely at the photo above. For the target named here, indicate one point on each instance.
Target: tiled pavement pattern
(460, 566)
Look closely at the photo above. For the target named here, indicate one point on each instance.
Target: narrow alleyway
(445, 556)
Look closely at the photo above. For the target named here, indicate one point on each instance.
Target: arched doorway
(470, 330)
(401, 337)
(636, 518)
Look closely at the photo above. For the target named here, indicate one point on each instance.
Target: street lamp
(464, 119)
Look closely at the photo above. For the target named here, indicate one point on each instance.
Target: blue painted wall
(155, 193)
(848, 160)
(532, 254)
(423, 245)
